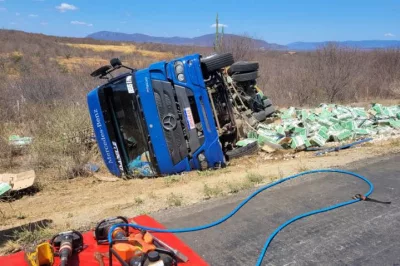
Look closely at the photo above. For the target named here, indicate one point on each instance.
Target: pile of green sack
(302, 128)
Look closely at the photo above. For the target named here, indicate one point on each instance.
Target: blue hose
(251, 196)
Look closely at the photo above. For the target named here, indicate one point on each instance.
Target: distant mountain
(208, 41)
(204, 40)
(364, 45)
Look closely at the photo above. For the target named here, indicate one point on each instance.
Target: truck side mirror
(102, 71)
(115, 63)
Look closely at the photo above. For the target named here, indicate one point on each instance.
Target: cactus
(218, 37)
(216, 43)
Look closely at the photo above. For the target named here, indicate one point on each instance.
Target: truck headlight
(179, 71)
(181, 77)
(179, 68)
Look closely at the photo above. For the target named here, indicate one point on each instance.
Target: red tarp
(86, 257)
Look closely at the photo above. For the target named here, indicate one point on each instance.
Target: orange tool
(126, 251)
(134, 245)
(143, 241)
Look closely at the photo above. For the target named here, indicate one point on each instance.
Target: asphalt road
(363, 233)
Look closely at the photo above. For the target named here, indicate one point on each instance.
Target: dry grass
(10, 62)
(280, 173)
(76, 63)
(174, 200)
(251, 180)
(152, 195)
(303, 168)
(212, 191)
(15, 56)
(138, 200)
(395, 142)
(62, 141)
(25, 238)
(205, 173)
(10, 247)
(255, 178)
(235, 187)
(172, 179)
(125, 49)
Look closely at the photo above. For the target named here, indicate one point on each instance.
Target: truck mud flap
(170, 120)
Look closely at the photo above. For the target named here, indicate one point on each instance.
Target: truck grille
(170, 120)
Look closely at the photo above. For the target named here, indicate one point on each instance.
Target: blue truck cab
(158, 120)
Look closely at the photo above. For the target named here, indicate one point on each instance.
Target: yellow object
(43, 255)
(258, 89)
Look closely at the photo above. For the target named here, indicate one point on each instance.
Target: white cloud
(17, 14)
(33, 15)
(389, 34)
(220, 25)
(44, 23)
(123, 22)
(75, 22)
(3, 9)
(13, 23)
(64, 7)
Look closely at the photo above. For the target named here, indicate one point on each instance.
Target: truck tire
(245, 76)
(243, 67)
(267, 103)
(242, 151)
(216, 62)
(260, 116)
(269, 110)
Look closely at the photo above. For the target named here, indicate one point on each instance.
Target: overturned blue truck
(175, 116)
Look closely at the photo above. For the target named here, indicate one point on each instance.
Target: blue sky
(276, 21)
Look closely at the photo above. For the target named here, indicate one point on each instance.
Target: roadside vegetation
(44, 81)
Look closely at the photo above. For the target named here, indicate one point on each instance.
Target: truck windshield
(128, 124)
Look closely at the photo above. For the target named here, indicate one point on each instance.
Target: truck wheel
(245, 76)
(243, 67)
(267, 103)
(216, 62)
(242, 151)
(269, 110)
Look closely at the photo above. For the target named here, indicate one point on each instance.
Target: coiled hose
(251, 196)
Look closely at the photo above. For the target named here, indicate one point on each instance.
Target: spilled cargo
(303, 128)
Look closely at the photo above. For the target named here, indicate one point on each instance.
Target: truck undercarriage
(238, 104)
